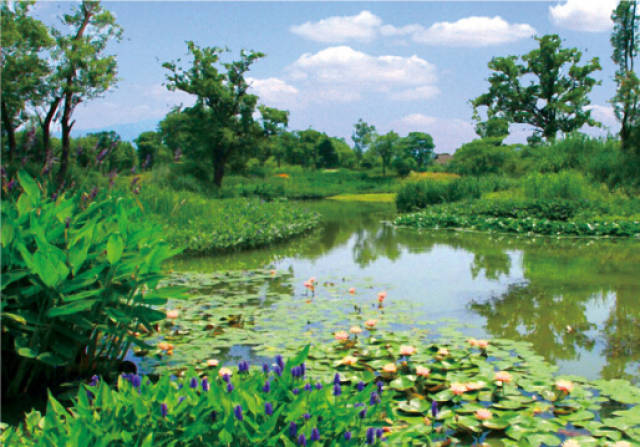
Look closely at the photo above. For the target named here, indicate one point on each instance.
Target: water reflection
(575, 300)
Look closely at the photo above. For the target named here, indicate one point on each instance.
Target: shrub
(74, 270)
(567, 185)
(251, 407)
(482, 156)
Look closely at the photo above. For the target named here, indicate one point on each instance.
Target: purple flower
(379, 384)
(337, 390)
(374, 399)
(295, 372)
(226, 378)
(293, 429)
(164, 410)
(205, 384)
(371, 435)
(307, 387)
(295, 391)
(363, 413)
(237, 411)
(279, 361)
(267, 387)
(193, 383)
(336, 379)
(135, 380)
(306, 416)
(182, 398)
(229, 387)
(278, 370)
(347, 436)
(243, 367)
(94, 380)
(318, 386)
(54, 196)
(360, 386)
(101, 155)
(434, 409)
(268, 409)
(315, 434)
(11, 184)
(303, 368)
(379, 433)
(265, 368)
(302, 440)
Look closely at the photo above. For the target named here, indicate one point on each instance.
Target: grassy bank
(205, 225)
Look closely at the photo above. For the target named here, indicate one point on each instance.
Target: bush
(482, 157)
(73, 272)
(248, 408)
(566, 185)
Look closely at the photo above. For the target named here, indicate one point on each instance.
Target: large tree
(545, 88)
(363, 135)
(23, 39)
(625, 40)
(221, 122)
(386, 146)
(419, 147)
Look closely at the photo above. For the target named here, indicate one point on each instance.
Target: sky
(403, 66)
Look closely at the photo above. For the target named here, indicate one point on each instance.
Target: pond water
(576, 300)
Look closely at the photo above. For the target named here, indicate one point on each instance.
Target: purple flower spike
(434, 409)
(336, 379)
(268, 409)
(278, 371)
(226, 378)
(265, 368)
(307, 387)
(193, 383)
(337, 390)
(360, 386)
(303, 369)
(318, 386)
(295, 391)
(306, 416)
(371, 435)
(363, 413)
(94, 380)
(315, 434)
(267, 387)
(279, 361)
(302, 440)
(237, 411)
(293, 429)
(164, 410)
(347, 436)
(205, 384)
(229, 387)
(374, 399)
(380, 386)
(135, 381)
(11, 184)
(379, 433)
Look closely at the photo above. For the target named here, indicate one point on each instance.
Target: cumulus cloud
(448, 134)
(342, 74)
(365, 27)
(604, 114)
(473, 32)
(362, 27)
(584, 15)
(413, 94)
(274, 92)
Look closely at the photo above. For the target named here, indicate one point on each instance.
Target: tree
(554, 100)
(418, 146)
(23, 38)
(493, 128)
(482, 156)
(221, 122)
(84, 72)
(362, 137)
(274, 123)
(327, 155)
(625, 40)
(385, 146)
(151, 150)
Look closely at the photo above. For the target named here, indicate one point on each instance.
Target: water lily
(355, 330)
(173, 314)
(212, 363)
(224, 371)
(382, 296)
(474, 386)
(570, 443)
(502, 377)
(483, 414)
(341, 336)
(352, 290)
(422, 371)
(443, 352)
(370, 324)
(349, 360)
(407, 350)
(390, 368)
(564, 385)
(458, 388)
(164, 346)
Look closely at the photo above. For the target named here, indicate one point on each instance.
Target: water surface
(576, 300)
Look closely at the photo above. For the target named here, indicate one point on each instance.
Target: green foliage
(362, 137)
(212, 412)
(554, 101)
(327, 156)
(73, 270)
(385, 146)
(203, 225)
(565, 185)
(482, 156)
(417, 146)
(151, 150)
(404, 165)
(420, 194)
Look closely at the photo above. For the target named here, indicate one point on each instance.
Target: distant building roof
(442, 158)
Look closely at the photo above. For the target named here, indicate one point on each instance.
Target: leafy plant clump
(202, 225)
(275, 405)
(78, 279)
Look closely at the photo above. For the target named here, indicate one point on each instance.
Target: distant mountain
(128, 132)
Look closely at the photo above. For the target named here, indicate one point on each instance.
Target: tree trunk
(218, 172)
(11, 132)
(64, 156)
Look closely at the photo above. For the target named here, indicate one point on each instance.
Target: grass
(207, 225)
(374, 197)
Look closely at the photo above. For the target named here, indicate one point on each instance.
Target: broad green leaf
(115, 246)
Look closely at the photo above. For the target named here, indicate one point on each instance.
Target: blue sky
(403, 66)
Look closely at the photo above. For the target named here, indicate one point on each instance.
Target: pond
(575, 300)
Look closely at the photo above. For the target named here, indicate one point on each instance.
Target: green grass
(374, 197)
(207, 225)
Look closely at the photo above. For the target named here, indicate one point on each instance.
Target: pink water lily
(407, 350)
(422, 371)
(483, 414)
(341, 336)
(173, 314)
(564, 385)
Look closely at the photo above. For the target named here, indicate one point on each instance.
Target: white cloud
(274, 92)
(362, 27)
(414, 94)
(448, 134)
(472, 32)
(365, 27)
(605, 115)
(584, 15)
